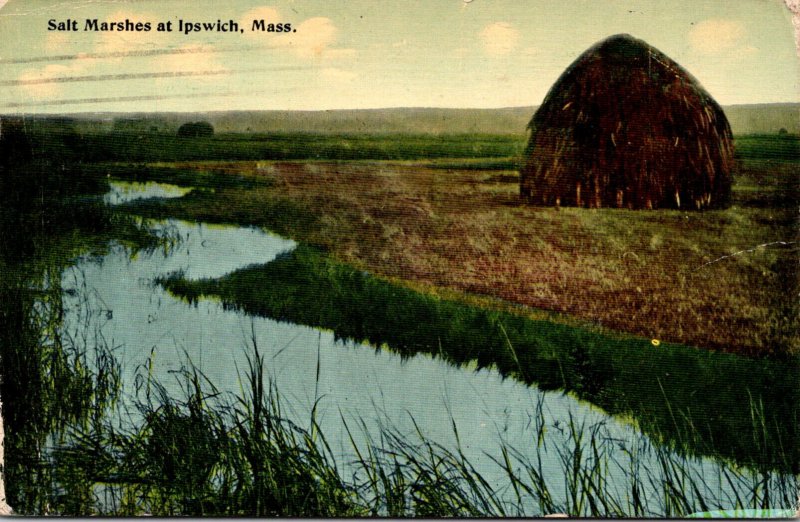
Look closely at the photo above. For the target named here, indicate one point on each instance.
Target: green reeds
(607, 477)
(206, 453)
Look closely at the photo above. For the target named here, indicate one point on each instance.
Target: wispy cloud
(312, 38)
(36, 84)
(718, 36)
(499, 38)
(206, 64)
(315, 38)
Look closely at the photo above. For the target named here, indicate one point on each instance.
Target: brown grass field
(720, 279)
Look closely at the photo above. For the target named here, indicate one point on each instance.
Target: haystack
(625, 126)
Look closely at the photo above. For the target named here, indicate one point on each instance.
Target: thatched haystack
(625, 126)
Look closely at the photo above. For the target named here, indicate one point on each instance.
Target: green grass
(691, 399)
(292, 146)
(199, 455)
(123, 147)
(154, 147)
(781, 147)
(49, 380)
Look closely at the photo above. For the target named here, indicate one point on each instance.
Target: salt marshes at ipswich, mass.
(594, 361)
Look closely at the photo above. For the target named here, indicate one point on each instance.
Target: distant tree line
(198, 129)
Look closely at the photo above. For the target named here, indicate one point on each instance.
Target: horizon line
(343, 109)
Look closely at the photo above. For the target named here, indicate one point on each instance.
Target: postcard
(473, 258)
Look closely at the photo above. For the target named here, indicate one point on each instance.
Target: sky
(353, 54)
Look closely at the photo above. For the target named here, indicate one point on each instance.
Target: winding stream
(115, 299)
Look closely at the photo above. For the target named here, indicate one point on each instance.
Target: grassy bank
(781, 147)
(210, 178)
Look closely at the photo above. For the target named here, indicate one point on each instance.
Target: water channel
(115, 298)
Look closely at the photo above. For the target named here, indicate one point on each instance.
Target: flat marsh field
(723, 280)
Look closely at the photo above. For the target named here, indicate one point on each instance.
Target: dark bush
(198, 129)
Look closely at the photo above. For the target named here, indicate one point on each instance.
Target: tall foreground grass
(49, 212)
(52, 378)
(207, 453)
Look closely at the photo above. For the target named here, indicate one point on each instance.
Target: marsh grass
(131, 147)
(202, 452)
(55, 376)
(50, 377)
(51, 212)
(773, 147)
